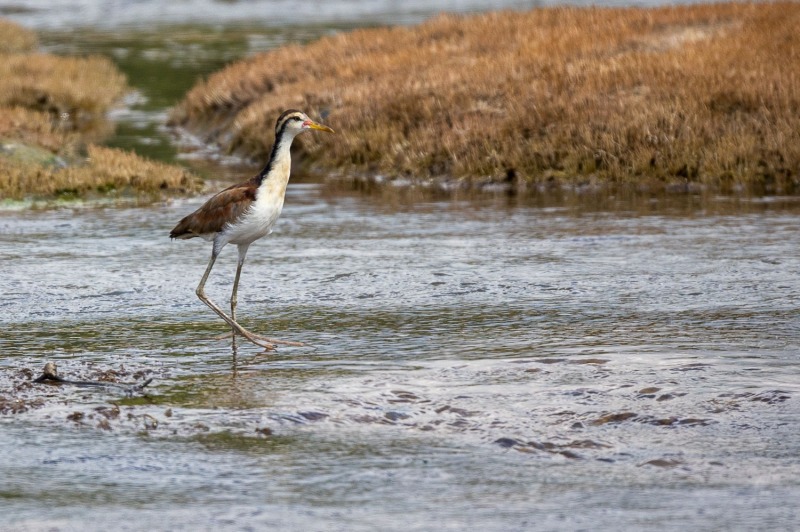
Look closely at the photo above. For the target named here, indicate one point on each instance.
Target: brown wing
(225, 207)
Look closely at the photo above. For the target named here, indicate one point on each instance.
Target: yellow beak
(313, 125)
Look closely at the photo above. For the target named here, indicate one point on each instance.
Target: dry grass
(104, 171)
(704, 94)
(51, 108)
(76, 90)
(35, 128)
(15, 38)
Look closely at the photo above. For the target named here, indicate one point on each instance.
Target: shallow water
(500, 362)
(109, 14)
(496, 363)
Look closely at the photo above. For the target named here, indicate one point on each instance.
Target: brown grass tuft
(104, 171)
(35, 128)
(50, 108)
(706, 94)
(77, 90)
(16, 39)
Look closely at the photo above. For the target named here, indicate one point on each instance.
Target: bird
(246, 212)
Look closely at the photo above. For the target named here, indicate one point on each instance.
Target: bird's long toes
(279, 342)
(267, 346)
(289, 343)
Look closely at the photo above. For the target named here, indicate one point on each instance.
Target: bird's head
(295, 122)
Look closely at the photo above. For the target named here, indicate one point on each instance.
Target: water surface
(494, 362)
(500, 362)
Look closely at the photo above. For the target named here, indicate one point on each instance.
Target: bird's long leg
(201, 293)
(240, 262)
(234, 300)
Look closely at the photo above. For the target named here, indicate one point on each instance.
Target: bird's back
(223, 209)
(234, 215)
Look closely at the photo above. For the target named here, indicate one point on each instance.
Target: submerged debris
(50, 375)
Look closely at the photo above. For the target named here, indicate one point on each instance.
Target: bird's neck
(274, 178)
(279, 165)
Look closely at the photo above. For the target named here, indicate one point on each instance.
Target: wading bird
(243, 213)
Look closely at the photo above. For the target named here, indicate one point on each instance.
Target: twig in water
(50, 374)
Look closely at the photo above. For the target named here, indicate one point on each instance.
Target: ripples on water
(495, 362)
(58, 14)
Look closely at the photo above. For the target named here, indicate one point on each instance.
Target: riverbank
(692, 96)
(53, 115)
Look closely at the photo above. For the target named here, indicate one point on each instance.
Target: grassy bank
(52, 110)
(705, 94)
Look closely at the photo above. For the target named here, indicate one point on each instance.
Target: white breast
(257, 223)
(266, 209)
(251, 228)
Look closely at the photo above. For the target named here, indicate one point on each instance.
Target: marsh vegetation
(695, 95)
(53, 112)
(493, 361)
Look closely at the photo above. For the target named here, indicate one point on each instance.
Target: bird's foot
(279, 342)
(267, 346)
(271, 341)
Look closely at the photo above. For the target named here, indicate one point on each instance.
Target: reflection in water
(499, 360)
